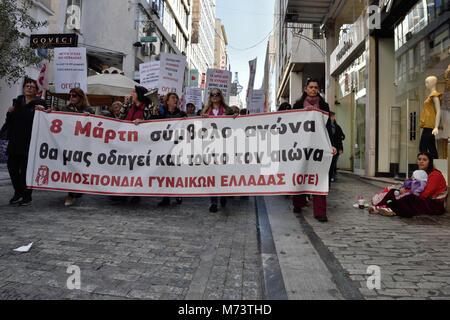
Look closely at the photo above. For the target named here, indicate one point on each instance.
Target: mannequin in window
(430, 118)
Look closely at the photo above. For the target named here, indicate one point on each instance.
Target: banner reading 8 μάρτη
(266, 154)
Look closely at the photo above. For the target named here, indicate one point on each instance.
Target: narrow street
(139, 251)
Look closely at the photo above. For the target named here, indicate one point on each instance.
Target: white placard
(257, 102)
(171, 75)
(149, 74)
(194, 96)
(70, 69)
(221, 79)
(267, 154)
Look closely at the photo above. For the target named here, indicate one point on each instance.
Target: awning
(307, 11)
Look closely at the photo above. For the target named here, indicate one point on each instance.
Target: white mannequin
(430, 84)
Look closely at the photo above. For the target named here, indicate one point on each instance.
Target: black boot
(322, 218)
(15, 199)
(164, 203)
(213, 208)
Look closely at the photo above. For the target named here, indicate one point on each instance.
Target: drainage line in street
(338, 273)
(273, 283)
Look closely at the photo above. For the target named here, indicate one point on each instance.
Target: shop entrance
(359, 136)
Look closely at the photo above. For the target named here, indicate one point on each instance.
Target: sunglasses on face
(74, 95)
(217, 94)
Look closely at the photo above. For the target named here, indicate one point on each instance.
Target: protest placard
(149, 74)
(194, 96)
(70, 69)
(171, 76)
(257, 102)
(217, 78)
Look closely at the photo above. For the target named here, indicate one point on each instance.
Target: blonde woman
(215, 107)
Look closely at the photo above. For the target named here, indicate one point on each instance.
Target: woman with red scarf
(139, 108)
(312, 100)
(215, 107)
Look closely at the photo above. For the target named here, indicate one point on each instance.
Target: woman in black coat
(19, 122)
(337, 136)
(311, 99)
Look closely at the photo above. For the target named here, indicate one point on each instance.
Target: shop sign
(348, 43)
(50, 41)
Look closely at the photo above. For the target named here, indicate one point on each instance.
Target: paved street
(127, 251)
(413, 254)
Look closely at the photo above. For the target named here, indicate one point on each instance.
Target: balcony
(307, 11)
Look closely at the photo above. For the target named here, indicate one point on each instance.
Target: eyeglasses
(30, 87)
(74, 95)
(217, 94)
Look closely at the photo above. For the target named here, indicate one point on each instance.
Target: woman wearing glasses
(171, 111)
(215, 107)
(78, 104)
(310, 100)
(19, 122)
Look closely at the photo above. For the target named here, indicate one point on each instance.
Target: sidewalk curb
(273, 287)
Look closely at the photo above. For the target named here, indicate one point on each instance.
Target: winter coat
(337, 137)
(322, 106)
(177, 113)
(20, 125)
(147, 112)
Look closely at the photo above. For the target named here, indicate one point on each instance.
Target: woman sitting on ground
(429, 202)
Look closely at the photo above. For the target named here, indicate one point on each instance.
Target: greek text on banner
(268, 154)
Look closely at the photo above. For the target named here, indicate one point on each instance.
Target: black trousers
(428, 143)
(333, 168)
(17, 167)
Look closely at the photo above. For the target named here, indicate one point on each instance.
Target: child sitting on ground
(414, 185)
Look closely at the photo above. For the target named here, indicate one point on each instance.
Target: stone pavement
(413, 254)
(127, 251)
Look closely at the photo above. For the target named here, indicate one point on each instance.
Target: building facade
(220, 46)
(300, 52)
(378, 57)
(41, 11)
(201, 51)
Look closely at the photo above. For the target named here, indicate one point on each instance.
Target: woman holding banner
(19, 124)
(312, 100)
(137, 108)
(78, 104)
(171, 111)
(215, 107)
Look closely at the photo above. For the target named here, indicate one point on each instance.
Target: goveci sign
(53, 40)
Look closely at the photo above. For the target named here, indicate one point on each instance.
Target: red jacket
(436, 185)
